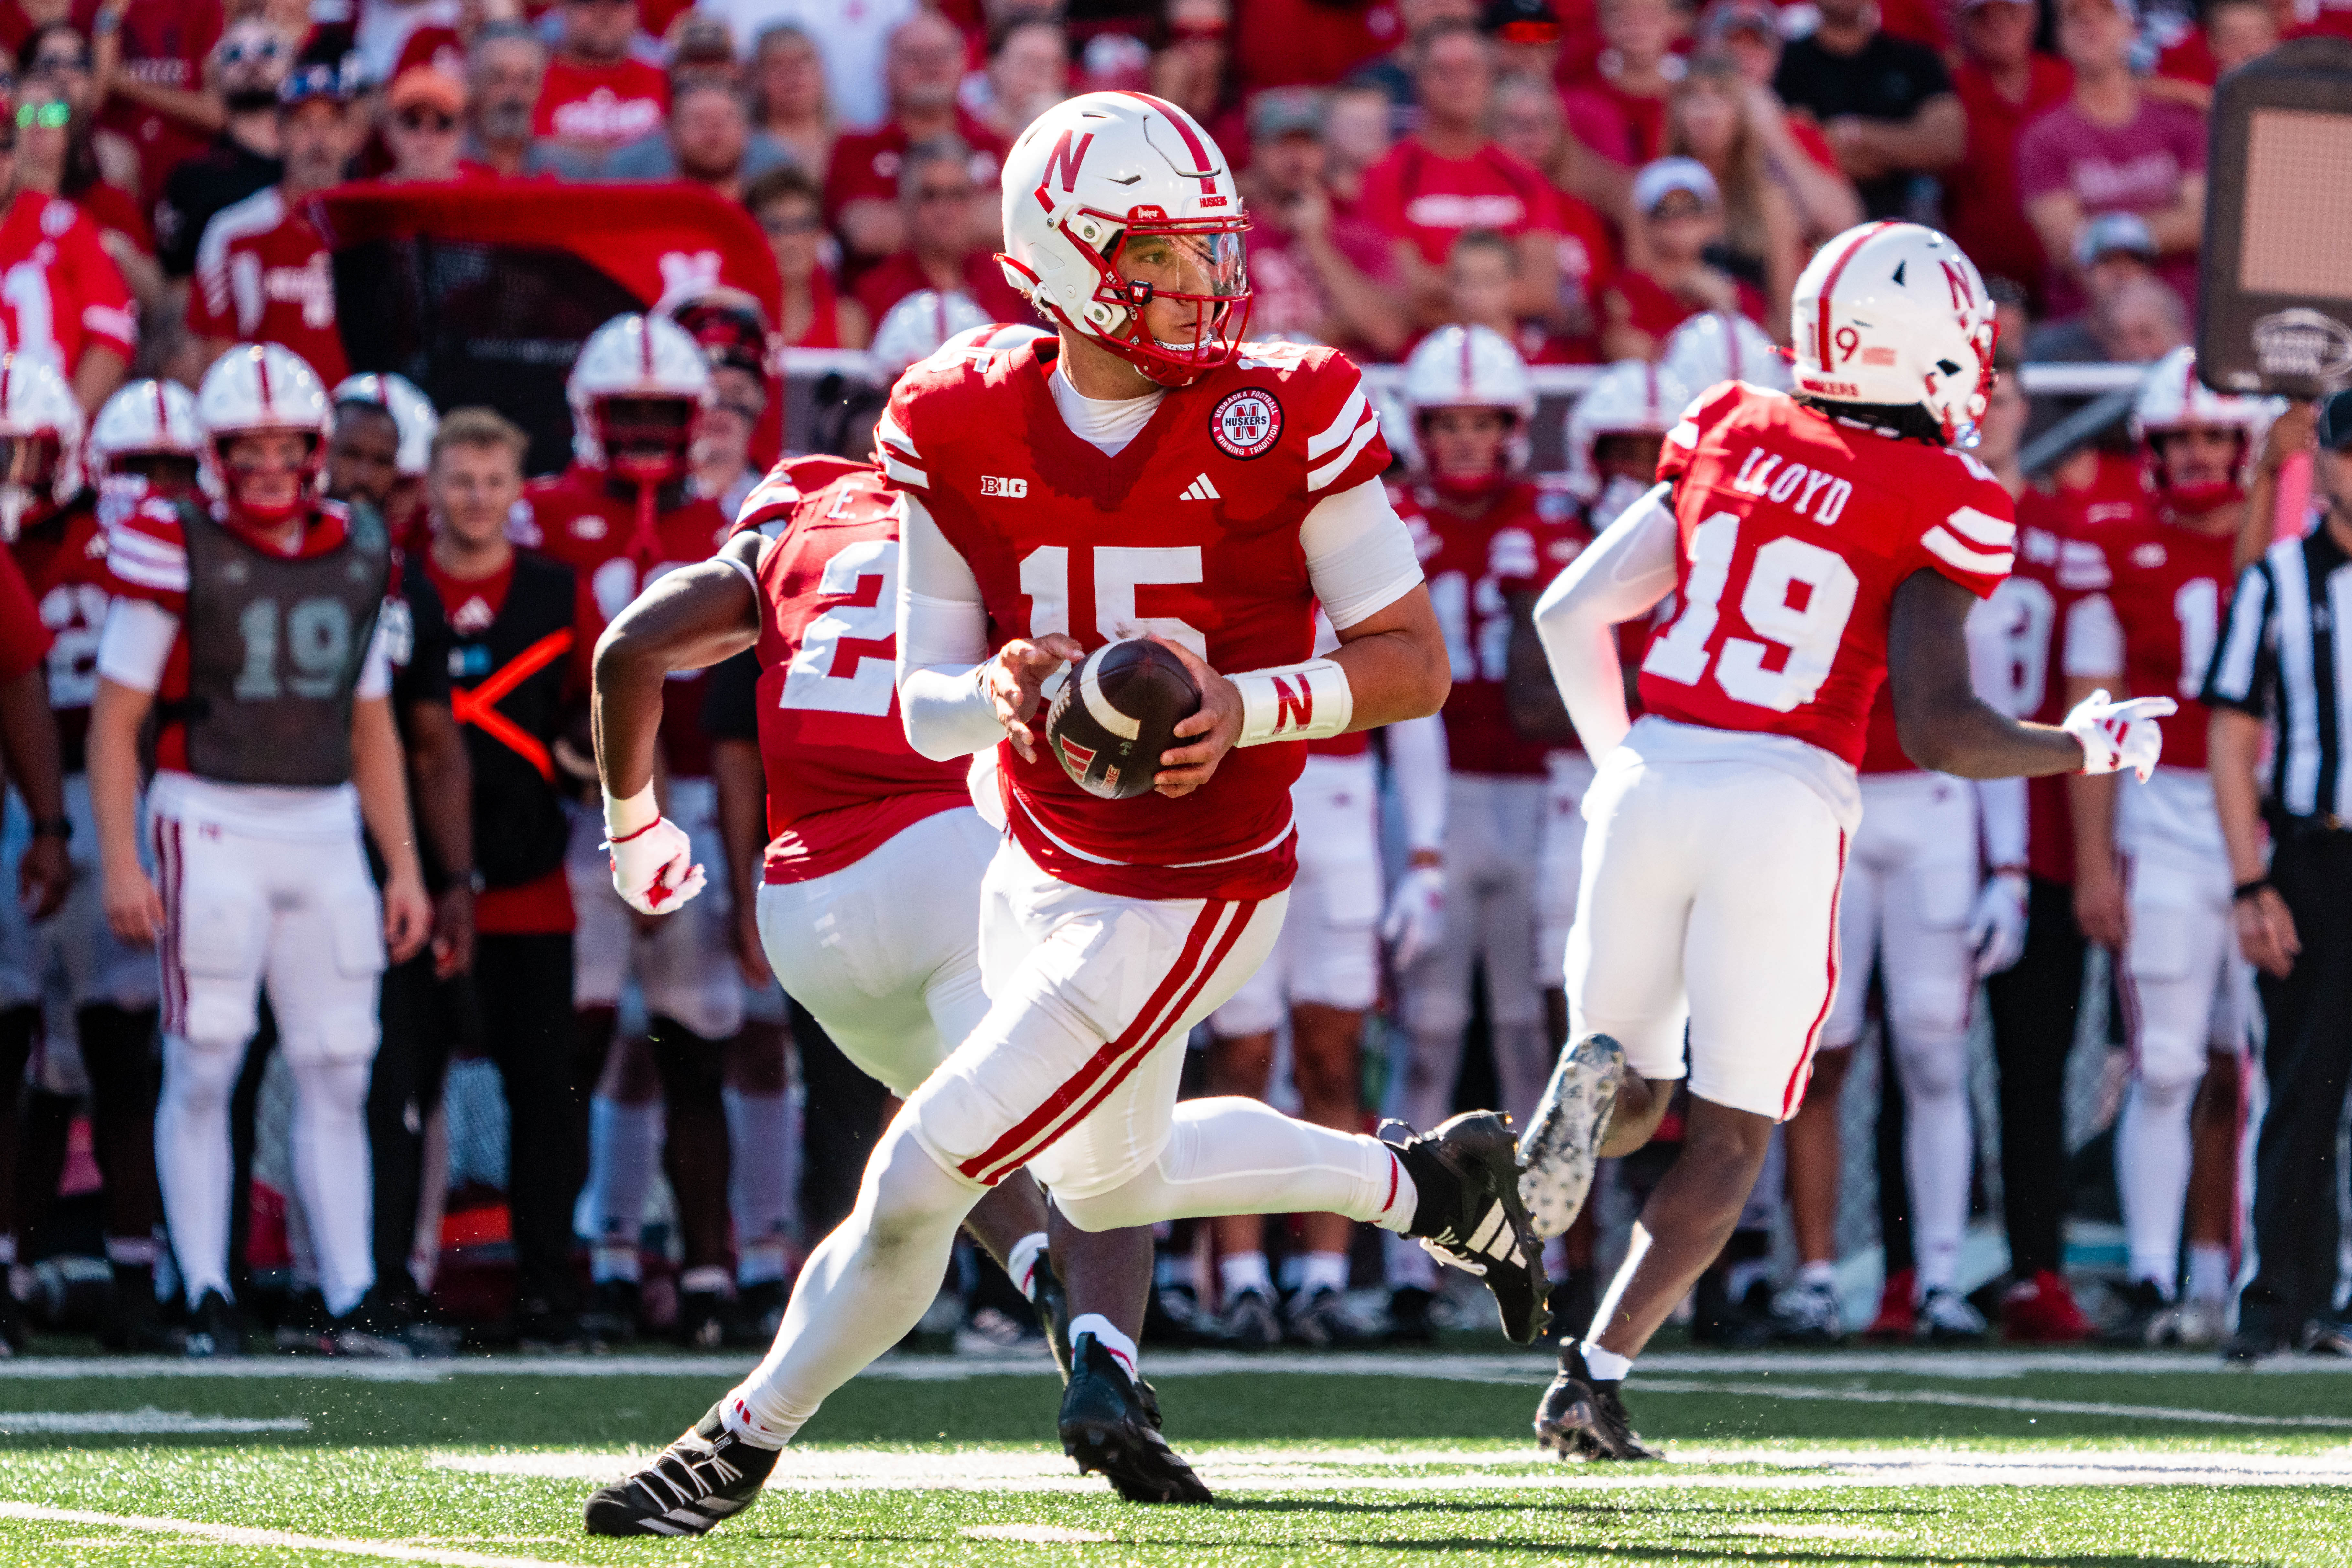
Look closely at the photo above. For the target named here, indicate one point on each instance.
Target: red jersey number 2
(1804, 637)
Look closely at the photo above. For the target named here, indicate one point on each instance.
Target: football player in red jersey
(621, 516)
(2034, 1003)
(2152, 876)
(1487, 552)
(857, 820)
(1241, 482)
(1813, 543)
(60, 543)
(252, 630)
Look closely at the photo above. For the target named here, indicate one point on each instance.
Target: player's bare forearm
(2233, 748)
(687, 619)
(742, 787)
(380, 774)
(442, 779)
(117, 713)
(28, 734)
(1396, 662)
(1941, 721)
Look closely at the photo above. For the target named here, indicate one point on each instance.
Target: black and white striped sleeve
(2245, 658)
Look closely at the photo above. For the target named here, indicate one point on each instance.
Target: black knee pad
(693, 1070)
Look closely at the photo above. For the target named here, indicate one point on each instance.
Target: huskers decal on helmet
(1246, 424)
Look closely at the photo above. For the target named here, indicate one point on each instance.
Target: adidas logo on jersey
(1200, 490)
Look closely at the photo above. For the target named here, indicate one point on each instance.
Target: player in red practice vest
(859, 821)
(1146, 473)
(2152, 876)
(1812, 545)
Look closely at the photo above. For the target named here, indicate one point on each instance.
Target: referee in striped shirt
(2284, 664)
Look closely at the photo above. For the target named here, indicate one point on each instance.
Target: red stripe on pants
(1016, 1143)
(1792, 1096)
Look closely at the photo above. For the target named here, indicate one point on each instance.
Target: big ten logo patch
(990, 484)
(1246, 424)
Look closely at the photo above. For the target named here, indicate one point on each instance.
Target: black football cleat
(215, 1329)
(1469, 1214)
(709, 1474)
(1562, 1148)
(1583, 1418)
(1050, 1299)
(1110, 1422)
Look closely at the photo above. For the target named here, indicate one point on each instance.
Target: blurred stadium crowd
(638, 1133)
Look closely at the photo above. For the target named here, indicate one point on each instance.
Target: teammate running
(1813, 543)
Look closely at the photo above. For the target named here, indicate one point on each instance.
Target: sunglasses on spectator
(48, 116)
(257, 49)
(54, 65)
(421, 119)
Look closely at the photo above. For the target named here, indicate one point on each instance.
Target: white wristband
(1309, 702)
(633, 816)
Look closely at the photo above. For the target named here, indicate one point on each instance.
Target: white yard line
(1958, 1366)
(1983, 1402)
(283, 1539)
(145, 1421)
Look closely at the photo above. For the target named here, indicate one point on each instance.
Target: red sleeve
(897, 436)
(24, 641)
(100, 293)
(1967, 528)
(1682, 441)
(1344, 446)
(147, 555)
(779, 493)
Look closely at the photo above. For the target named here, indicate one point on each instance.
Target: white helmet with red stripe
(1468, 367)
(1893, 314)
(634, 392)
(1716, 346)
(142, 417)
(1086, 187)
(40, 439)
(919, 325)
(255, 389)
(2172, 398)
(412, 416)
(1632, 397)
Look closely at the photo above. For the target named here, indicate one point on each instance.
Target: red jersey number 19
(1808, 636)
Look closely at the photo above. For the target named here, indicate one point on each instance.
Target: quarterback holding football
(1125, 526)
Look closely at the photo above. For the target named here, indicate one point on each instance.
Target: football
(1117, 713)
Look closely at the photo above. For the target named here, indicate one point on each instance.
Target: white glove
(653, 869)
(1416, 914)
(1996, 925)
(2120, 735)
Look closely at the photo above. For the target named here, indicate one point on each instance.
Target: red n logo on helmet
(1964, 293)
(1064, 160)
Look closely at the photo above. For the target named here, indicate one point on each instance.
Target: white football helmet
(1632, 397)
(1894, 314)
(40, 439)
(257, 387)
(1718, 346)
(412, 415)
(1468, 367)
(919, 325)
(1090, 178)
(145, 417)
(2172, 398)
(644, 360)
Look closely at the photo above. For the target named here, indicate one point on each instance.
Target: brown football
(1117, 713)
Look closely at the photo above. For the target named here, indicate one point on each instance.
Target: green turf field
(1831, 1460)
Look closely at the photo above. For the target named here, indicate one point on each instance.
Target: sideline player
(144, 436)
(2152, 878)
(869, 906)
(251, 629)
(1486, 551)
(1813, 543)
(620, 516)
(1242, 481)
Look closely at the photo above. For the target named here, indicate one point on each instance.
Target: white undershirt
(1108, 423)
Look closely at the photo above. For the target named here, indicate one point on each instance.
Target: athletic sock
(759, 1138)
(1022, 1262)
(329, 1149)
(759, 1263)
(1323, 1271)
(192, 1159)
(1236, 1272)
(2152, 1158)
(1606, 1366)
(707, 1280)
(1106, 1335)
(131, 1251)
(1816, 1274)
(624, 1151)
(2209, 1272)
